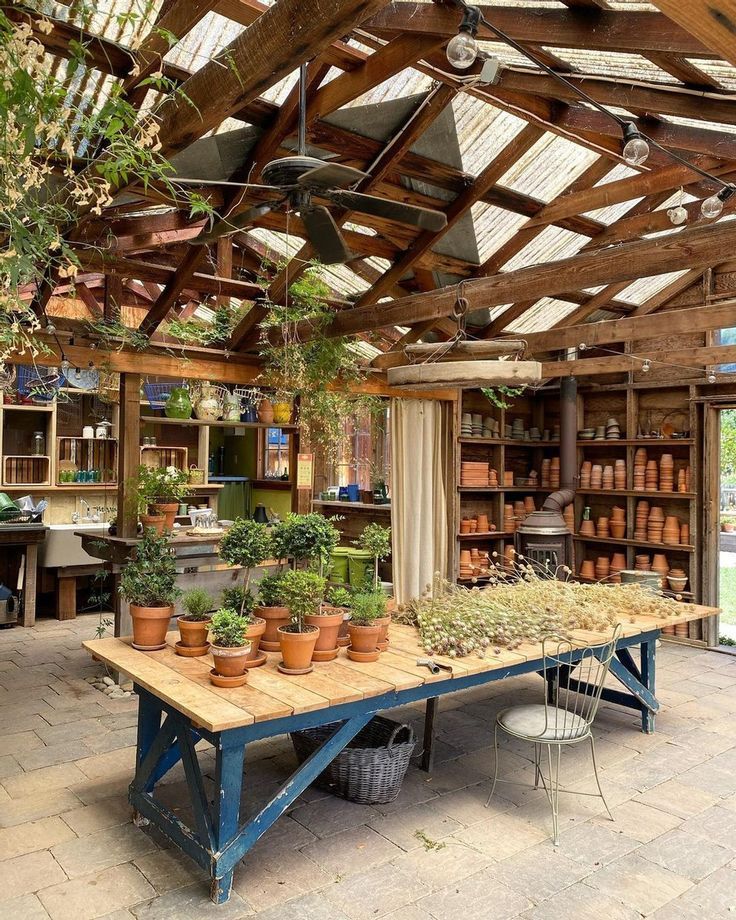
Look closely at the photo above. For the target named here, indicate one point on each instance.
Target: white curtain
(420, 461)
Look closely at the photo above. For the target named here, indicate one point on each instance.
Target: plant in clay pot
(305, 538)
(237, 598)
(195, 623)
(330, 619)
(342, 598)
(375, 540)
(148, 584)
(247, 544)
(302, 592)
(230, 648)
(272, 609)
(162, 489)
(364, 630)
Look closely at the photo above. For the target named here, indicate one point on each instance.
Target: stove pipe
(568, 433)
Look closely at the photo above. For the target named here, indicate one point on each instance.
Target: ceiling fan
(301, 179)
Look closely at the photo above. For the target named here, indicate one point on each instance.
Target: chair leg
(597, 780)
(495, 772)
(554, 790)
(537, 754)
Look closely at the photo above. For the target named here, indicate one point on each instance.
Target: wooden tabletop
(184, 682)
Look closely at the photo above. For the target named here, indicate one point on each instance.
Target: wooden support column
(128, 462)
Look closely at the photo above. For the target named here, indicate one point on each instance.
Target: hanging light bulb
(711, 377)
(713, 206)
(65, 366)
(646, 366)
(462, 50)
(636, 149)
(677, 215)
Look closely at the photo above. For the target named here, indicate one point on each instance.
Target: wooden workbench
(178, 691)
(28, 536)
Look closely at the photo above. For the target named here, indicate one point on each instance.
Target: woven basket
(371, 768)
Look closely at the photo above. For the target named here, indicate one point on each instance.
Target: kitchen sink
(62, 547)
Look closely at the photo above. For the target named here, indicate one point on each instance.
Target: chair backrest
(577, 679)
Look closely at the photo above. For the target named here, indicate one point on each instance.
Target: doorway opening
(727, 527)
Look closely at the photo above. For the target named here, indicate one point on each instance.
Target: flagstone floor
(69, 851)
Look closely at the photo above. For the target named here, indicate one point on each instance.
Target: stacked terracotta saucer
(671, 530)
(655, 524)
(661, 567)
(569, 515)
(493, 478)
(466, 566)
(613, 431)
(619, 475)
(585, 468)
(651, 476)
(642, 562)
(618, 564)
(601, 528)
(596, 476)
(681, 480)
(617, 524)
(509, 521)
(607, 478)
(640, 521)
(640, 466)
(602, 567)
(554, 473)
(684, 534)
(474, 473)
(666, 473)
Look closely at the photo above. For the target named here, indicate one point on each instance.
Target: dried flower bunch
(523, 605)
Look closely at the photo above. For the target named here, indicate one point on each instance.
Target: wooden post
(129, 435)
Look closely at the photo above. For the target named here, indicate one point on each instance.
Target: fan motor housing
(288, 170)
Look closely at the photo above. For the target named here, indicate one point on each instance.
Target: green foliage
(270, 591)
(198, 603)
(320, 370)
(246, 543)
(305, 537)
(149, 580)
(238, 598)
(302, 593)
(368, 606)
(499, 395)
(208, 334)
(728, 446)
(375, 540)
(228, 628)
(339, 597)
(164, 485)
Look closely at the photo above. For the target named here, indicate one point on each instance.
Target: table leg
(29, 585)
(149, 724)
(648, 655)
(430, 728)
(226, 808)
(66, 597)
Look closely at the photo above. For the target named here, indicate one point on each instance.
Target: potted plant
(237, 598)
(328, 619)
(272, 610)
(302, 592)
(229, 648)
(195, 623)
(141, 501)
(148, 583)
(728, 523)
(363, 629)
(164, 488)
(341, 598)
(305, 538)
(375, 540)
(247, 544)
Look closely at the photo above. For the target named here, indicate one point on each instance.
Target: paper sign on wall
(304, 471)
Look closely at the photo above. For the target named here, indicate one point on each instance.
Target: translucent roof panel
(552, 243)
(613, 64)
(543, 315)
(548, 167)
(482, 130)
(494, 227)
(644, 288)
(718, 70)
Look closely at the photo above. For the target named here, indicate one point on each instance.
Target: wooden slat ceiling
(541, 175)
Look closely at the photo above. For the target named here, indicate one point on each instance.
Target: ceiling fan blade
(230, 225)
(324, 235)
(424, 218)
(331, 175)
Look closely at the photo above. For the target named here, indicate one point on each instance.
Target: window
(276, 454)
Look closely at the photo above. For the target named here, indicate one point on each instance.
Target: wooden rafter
(712, 21)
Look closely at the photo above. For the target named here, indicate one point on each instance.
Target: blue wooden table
(179, 706)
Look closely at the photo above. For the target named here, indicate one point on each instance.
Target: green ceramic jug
(178, 405)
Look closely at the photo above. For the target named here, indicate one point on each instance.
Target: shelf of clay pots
(503, 489)
(509, 442)
(662, 496)
(487, 535)
(627, 442)
(220, 423)
(665, 547)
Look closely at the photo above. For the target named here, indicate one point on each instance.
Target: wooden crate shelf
(25, 470)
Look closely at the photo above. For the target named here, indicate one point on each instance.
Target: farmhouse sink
(63, 547)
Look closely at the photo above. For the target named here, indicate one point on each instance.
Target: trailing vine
(499, 395)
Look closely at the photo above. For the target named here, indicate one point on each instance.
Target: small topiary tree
(198, 603)
(376, 540)
(228, 628)
(149, 580)
(302, 592)
(247, 543)
(305, 538)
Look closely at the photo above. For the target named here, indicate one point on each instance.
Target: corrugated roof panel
(482, 130)
(644, 288)
(494, 227)
(720, 70)
(553, 243)
(548, 167)
(614, 64)
(544, 314)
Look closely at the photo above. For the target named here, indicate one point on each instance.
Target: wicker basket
(371, 768)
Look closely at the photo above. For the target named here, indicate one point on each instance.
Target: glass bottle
(38, 444)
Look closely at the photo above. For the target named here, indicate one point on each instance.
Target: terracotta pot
(168, 511)
(328, 622)
(274, 617)
(587, 569)
(364, 638)
(265, 411)
(383, 623)
(297, 647)
(587, 528)
(193, 632)
(253, 635)
(728, 528)
(156, 522)
(150, 625)
(343, 636)
(230, 662)
(618, 529)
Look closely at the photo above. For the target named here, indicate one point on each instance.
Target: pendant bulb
(713, 206)
(636, 149)
(462, 50)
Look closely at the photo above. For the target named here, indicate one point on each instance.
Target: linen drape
(420, 463)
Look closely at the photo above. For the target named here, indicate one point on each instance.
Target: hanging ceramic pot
(265, 411)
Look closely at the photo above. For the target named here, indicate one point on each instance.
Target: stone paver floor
(68, 849)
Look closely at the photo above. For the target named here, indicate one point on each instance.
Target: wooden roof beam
(713, 22)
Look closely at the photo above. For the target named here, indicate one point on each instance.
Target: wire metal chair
(575, 678)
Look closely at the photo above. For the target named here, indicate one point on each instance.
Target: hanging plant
(499, 395)
(216, 332)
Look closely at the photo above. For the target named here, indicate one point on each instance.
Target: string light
(462, 50)
(711, 377)
(678, 215)
(713, 206)
(646, 366)
(636, 149)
